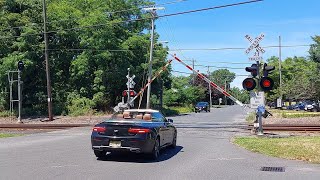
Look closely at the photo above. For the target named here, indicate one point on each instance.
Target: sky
(294, 20)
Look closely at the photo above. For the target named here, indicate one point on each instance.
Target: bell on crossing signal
(249, 84)
(267, 69)
(266, 83)
(253, 70)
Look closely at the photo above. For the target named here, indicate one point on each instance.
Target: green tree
(91, 45)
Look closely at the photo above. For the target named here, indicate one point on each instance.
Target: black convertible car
(136, 130)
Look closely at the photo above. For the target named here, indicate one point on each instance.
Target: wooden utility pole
(46, 55)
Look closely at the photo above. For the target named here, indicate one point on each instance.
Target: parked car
(312, 106)
(202, 106)
(135, 130)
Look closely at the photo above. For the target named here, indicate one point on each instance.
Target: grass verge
(293, 114)
(4, 135)
(251, 117)
(295, 148)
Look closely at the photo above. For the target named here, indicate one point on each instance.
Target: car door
(163, 129)
(170, 129)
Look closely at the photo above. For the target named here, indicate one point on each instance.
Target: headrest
(126, 115)
(139, 116)
(147, 117)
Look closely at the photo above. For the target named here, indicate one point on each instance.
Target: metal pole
(128, 86)
(150, 60)
(209, 87)
(47, 60)
(19, 97)
(225, 88)
(193, 76)
(280, 74)
(260, 130)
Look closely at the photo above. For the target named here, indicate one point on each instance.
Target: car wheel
(100, 154)
(156, 150)
(314, 110)
(174, 141)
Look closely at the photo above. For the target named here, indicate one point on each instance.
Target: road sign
(256, 99)
(255, 44)
(130, 82)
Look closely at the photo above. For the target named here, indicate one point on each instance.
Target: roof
(141, 110)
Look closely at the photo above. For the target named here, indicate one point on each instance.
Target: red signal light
(124, 93)
(249, 84)
(132, 93)
(266, 83)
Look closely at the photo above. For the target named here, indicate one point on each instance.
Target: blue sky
(294, 20)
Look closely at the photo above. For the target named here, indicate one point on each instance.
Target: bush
(78, 106)
(4, 113)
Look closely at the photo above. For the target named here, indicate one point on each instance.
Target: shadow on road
(142, 158)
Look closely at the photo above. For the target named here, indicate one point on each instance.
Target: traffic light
(132, 93)
(20, 65)
(266, 83)
(249, 84)
(253, 70)
(267, 69)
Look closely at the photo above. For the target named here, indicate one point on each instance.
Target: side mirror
(170, 120)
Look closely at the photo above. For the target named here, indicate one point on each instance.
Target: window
(158, 117)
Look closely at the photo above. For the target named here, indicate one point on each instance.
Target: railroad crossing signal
(255, 45)
(249, 84)
(266, 83)
(253, 70)
(130, 83)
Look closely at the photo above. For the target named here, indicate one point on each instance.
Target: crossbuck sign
(255, 45)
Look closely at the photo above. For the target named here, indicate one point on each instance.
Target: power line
(223, 67)
(191, 73)
(235, 48)
(111, 12)
(147, 18)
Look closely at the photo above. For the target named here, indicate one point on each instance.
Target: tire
(314, 110)
(174, 141)
(100, 154)
(156, 150)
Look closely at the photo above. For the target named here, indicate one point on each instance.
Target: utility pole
(153, 14)
(209, 88)
(225, 88)
(280, 74)
(128, 85)
(47, 60)
(193, 76)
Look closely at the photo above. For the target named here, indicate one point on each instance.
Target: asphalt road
(204, 151)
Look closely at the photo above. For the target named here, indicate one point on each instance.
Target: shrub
(78, 106)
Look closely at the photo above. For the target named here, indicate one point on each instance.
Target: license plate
(115, 144)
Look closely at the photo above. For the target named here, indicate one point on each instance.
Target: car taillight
(99, 129)
(138, 131)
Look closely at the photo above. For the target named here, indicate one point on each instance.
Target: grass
(295, 148)
(4, 135)
(251, 117)
(293, 114)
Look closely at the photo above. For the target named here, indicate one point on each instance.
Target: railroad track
(41, 126)
(290, 127)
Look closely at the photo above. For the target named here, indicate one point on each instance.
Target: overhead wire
(111, 12)
(147, 18)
